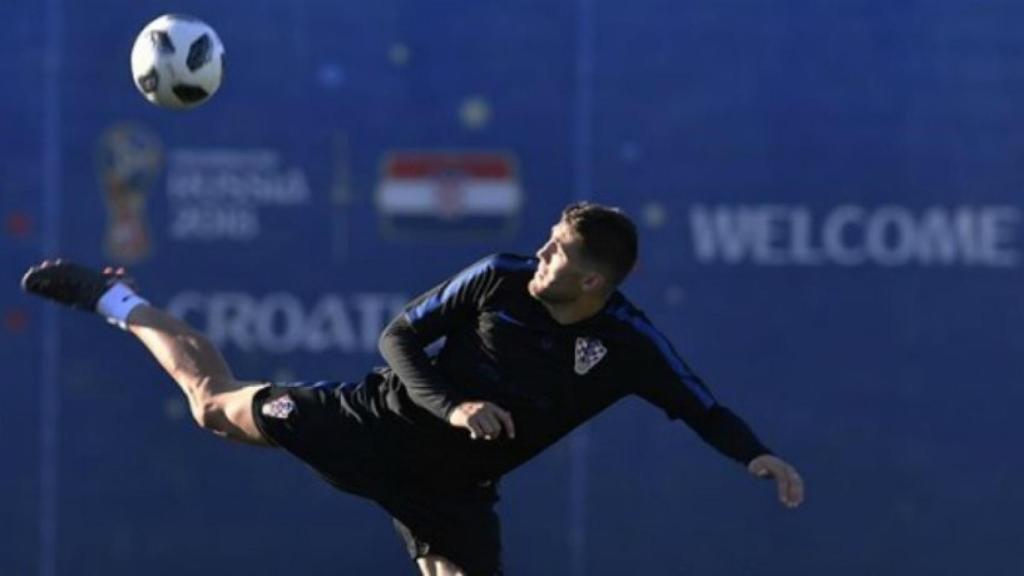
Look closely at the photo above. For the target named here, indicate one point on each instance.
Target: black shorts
(363, 451)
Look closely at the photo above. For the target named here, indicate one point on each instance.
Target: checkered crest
(279, 408)
(589, 352)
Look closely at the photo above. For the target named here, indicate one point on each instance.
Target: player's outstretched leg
(218, 402)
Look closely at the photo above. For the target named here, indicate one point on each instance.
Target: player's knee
(207, 406)
(211, 413)
(205, 412)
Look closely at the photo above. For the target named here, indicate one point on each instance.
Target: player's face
(562, 275)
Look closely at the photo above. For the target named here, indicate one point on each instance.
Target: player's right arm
(450, 306)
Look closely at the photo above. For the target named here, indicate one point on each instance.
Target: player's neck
(576, 311)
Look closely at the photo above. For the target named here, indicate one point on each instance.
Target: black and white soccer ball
(177, 61)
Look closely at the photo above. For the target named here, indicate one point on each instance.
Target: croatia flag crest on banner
(449, 194)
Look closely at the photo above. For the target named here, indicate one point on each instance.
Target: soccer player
(533, 347)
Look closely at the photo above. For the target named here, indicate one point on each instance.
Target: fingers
(486, 423)
(796, 489)
(489, 421)
(506, 421)
(782, 485)
(788, 483)
(478, 425)
(791, 487)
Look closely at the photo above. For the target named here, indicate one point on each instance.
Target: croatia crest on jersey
(589, 351)
(279, 408)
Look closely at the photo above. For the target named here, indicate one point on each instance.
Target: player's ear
(594, 282)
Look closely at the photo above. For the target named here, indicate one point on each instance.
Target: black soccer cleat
(67, 283)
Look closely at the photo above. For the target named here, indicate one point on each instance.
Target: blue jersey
(501, 345)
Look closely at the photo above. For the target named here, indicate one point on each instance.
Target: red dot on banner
(18, 224)
(15, 320)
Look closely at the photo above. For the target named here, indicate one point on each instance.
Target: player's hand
(787, 479)
(483, 420)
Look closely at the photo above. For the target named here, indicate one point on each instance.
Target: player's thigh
(236, 408)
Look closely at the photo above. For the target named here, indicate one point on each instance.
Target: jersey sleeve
(455, 301)
(452, 305)
(664, 379)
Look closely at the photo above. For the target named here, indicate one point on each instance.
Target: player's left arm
(668, 382)
(451, 306)
(432, 315)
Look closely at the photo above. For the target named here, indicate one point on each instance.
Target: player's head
(591, 250)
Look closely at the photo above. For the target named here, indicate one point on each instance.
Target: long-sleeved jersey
(501, 345)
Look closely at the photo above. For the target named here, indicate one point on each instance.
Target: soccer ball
(177, 61)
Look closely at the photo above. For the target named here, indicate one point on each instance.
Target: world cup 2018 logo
(130, 158)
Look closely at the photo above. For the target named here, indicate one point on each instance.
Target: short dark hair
(608, 235)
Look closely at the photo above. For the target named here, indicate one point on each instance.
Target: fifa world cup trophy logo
(130, 158)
